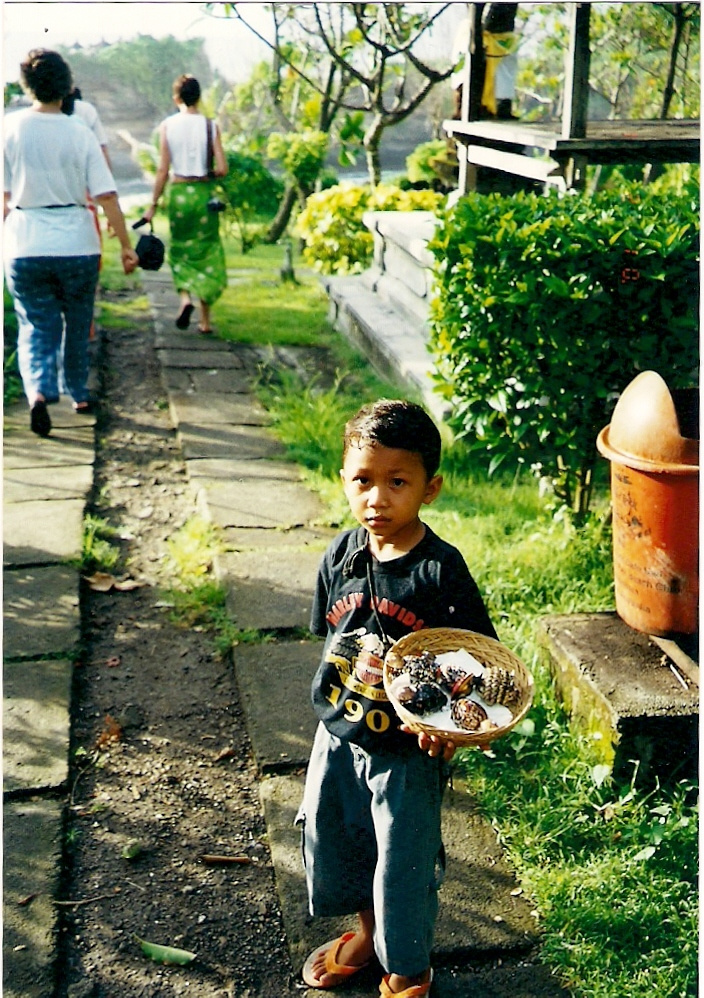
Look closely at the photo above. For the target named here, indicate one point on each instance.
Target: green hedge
(336, 241)
(547, 306)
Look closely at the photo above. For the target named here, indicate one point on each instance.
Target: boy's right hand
(434, 745)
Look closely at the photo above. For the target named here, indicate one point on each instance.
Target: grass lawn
(611, 870)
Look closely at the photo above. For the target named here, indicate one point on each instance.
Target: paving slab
(478, 914)
(42, 531)
(34, 484)
(41, 614)
(268, 590)
(259, 503)
(167, 337)
(256, 539)
(174, 379)
(36, 724)
(210, 408)
(274, 681)
(233, 382)
(221, 360)
(235, 470)
(31, 866)
(243, 442)
(65, 447)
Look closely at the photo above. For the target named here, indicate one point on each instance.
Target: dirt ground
(161, 763)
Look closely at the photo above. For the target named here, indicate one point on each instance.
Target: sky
(25, 25)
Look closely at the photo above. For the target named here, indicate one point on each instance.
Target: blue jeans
(54, 298)
(371, 838)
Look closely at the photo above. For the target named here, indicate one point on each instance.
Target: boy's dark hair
(399, 424)
(46, 75)
(187, 90)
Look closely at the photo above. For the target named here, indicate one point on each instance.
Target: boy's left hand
(432, 744)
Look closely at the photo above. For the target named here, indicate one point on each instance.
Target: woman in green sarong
(191, 146)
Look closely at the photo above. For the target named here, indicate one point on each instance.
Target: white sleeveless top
(187, 140)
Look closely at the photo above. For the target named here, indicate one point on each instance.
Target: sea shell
(422, 698)
(467, 714)
(498, 685)
(421, 668)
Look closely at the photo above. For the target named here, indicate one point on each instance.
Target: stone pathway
(272, 548)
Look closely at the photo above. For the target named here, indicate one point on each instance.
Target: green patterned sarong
(196, 256)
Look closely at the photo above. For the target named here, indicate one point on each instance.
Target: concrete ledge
(617, 686)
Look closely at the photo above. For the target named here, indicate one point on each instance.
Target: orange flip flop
(416, 991)
(331, 950)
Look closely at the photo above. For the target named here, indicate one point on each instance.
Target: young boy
(371, 809)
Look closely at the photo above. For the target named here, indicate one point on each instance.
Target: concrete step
(394, 344)
(629, 697)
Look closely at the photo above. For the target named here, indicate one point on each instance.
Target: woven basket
(486, 650)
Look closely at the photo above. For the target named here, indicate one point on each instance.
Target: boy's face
(386, 487)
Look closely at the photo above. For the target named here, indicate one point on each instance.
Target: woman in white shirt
(196, 255)
(51, 248)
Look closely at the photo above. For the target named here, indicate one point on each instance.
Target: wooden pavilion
(564, 147)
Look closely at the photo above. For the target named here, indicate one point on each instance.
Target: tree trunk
(372, 142)
(283, 215)
(668, 93)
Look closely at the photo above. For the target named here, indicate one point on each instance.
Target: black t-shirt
(361, 606)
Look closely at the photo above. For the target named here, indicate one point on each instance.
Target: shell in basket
(458, 684)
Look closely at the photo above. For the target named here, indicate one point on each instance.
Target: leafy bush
(547, 308)
(302, 155)
(433, 163)
(250, 191)
(336, 239)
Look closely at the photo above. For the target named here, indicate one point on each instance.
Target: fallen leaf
(101, 582)
(226, 753)
(112, 732)
(28, 900)
(132, 849)
(113, 661)
(166, 954)
(127, 585)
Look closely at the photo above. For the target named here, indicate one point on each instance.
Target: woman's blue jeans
(54, 298)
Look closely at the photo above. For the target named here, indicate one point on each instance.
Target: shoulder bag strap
(209, 148)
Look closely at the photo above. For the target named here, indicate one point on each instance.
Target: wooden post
(576, 97)
(467, 179)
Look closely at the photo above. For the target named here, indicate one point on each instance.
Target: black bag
(149, 248)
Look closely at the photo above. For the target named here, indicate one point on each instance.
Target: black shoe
(183, 319)
(39, 419)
